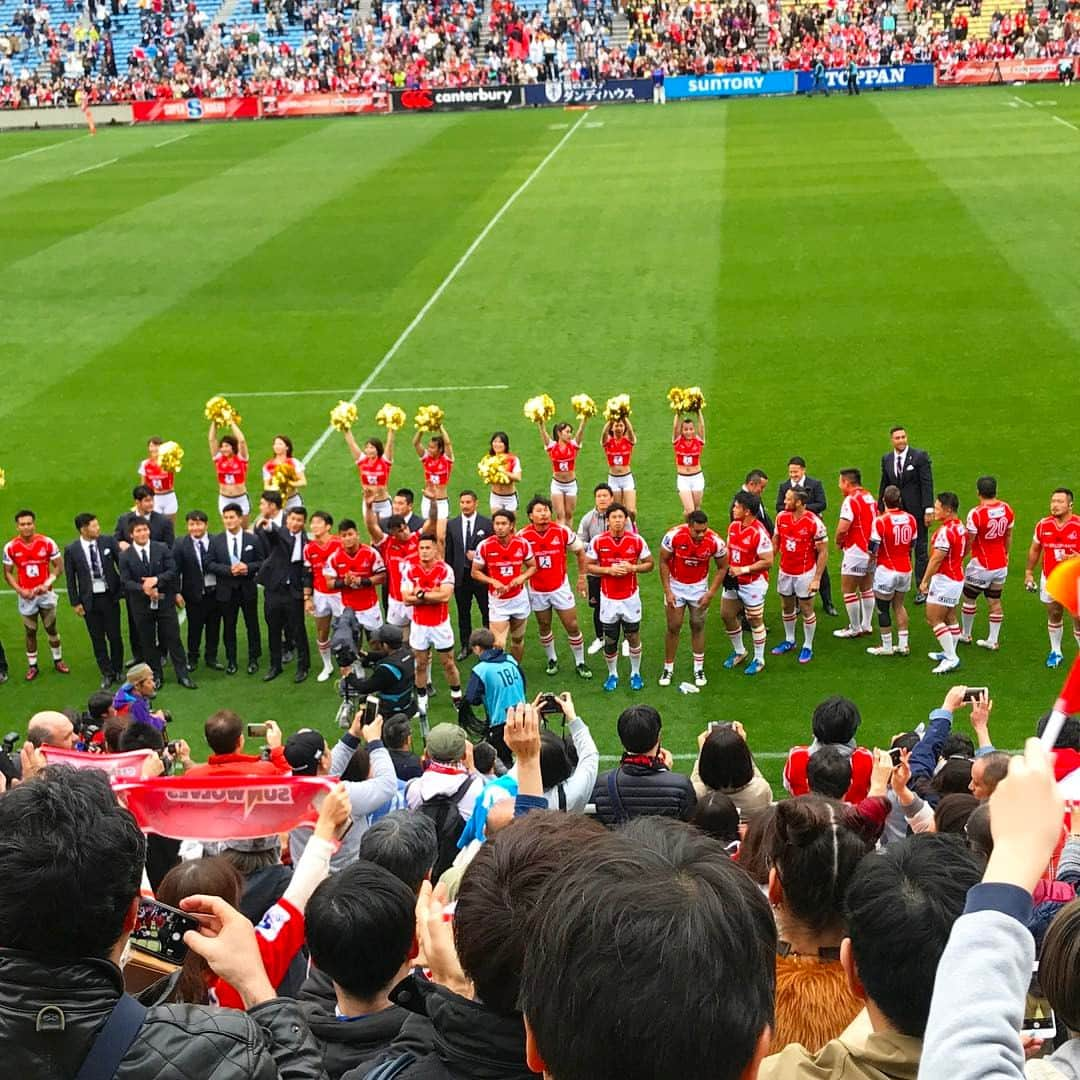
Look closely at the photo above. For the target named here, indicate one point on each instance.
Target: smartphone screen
(371, 709)
(159, 929)
(256, 731)
(1039, 1019)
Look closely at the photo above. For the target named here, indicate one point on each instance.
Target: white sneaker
(946, 666)
(847, 632)
(986, 643)
(325, 674)
(596, 645)
(699, 679)
(880, 650)
(665, 678)
(625, 647)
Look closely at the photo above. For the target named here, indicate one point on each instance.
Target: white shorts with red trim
(621, 483)
(795, 584)
(397, 613)
(501, 609)
(856, 563)
(426, 637)
(688, 595)
(944, 591)
(563, 487)
(369, 618)
(561, 599)
(978, 577)
(887, 583)
(625, 610)
(751, 595)
(326, 604)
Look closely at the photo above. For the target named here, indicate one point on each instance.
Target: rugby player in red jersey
(857, 513)
(990, 533)
(504, 562)
(894, 531)
(323, 599)
(943, 581)
(803, 543)
(750, 555)
(1057, 538)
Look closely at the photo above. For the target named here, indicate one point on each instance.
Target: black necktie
(235, 549)
(146, 562)
(95, 561)
(468, 534)
(202, 555)
(899, 464)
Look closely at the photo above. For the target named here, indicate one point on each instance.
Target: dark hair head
(995, 767)
(140, 492)
(286, 440)
(325, 517)
(986, 486)
(828, 772)
(63, 836)
(907, 741)
(752, 854)
(835, 720)
(360, 925)
(405, 843)
(99, 703)
(509, 515)
(439, 443)
(502, 885)
(394, 521)
(953, 778)
(814, 853)
(482, 639)
(484, 757)
(891, 497)
(427, 538)
(231, 441)
(754, 476)
(346, 525)
(801, 462)
(725, 763)
(82, 520)
(949, 499)
(467, 491)
(655, 899)
(1068, 739)
(953, 811)
(298, 511)
(900, 907)
(852, 476)
(377, 445)
(602, 487)
(895, 428)
(556, 766)
(138, 736)
(535, 501)
(560, 427)
(359, 766)
(272, 496)
(1067, 492)
(196, 515)
(639, 728)
(746, 501)
(977, 831)
(137, 521)
(407, 494)
(112, 728)
(498, 435)
(232, 508)
(19, 514)
(397, 731)
(717, 816)
(223, 731)
(697, 517)
(1059, 965)
(957, 745)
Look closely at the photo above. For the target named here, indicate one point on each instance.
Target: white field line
(1065, 122)
(369, 390)
(99, 165)
(1022, 101)
(42, 149)
(175, 138)
(418, 318)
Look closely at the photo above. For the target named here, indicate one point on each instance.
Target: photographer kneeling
(392, 677)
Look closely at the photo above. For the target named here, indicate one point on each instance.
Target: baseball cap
(388, 635)
(446, 742)
(303, 749)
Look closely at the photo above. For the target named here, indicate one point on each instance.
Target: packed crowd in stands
(49, 57)
(475, 919)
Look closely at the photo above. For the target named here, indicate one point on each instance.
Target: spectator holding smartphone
(225, 736)
(725, 765)
(568, 780)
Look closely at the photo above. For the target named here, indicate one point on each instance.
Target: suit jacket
(161, 528)
(815, 495)
(415, 522)
(277, 571)
(162, 566)
(220, 563)
(80, 581)
(455, 544)
(916, 485)
(192, 577)
(759, 511)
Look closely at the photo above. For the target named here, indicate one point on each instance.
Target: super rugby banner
(184, 109)
(127, 766)
(226, 808)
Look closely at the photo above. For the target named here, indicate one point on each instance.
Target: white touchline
(1023, 102)
(42, 149)
(369, 390)
(99, 165)
(418, 318)
(1065, 122)
(158, 146)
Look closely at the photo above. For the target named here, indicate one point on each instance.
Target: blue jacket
(497, 683)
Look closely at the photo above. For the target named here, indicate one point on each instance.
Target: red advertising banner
(230, 108)
(365, 101)
(980, 72)
(226, 808)
(127, 766)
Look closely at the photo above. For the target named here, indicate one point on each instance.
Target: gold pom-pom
(617, 408)
(492, 469)
(283, 477)
(343, 416)
(583, 406)
(677, 398)
(391, 417)
(539, 408)
(429, 418)
(695, 399)
(3, 479)
(221, 412)
(170, 456)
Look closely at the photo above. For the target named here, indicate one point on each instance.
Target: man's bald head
(51, 728)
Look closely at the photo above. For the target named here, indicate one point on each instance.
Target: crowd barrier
(888, 77)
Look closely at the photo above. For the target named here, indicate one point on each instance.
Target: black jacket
(192, 576)
(195, 1042)
(916, 484)
(644, 791)
(347, 1044)
(815, 495)
(453, 1038)
(162, 566)
(161, 528)
(80, 582)
(278, 571)
(251, 556)
(455, 544)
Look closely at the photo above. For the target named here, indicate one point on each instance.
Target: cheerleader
(618, 441)
(283, 455)
(230, 457)
(563, 446)
(373, 463)
(158, 479)
(504, 496)
(688, 441)
(438, 462)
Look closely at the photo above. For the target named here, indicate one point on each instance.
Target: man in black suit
(463, 533)
(816, 503)
(282, 578)
(754, 485)
(198, 590)
(161, 531)
(148, 571)
(402, 505)
(910, 470)
(235, 558)
(94, 591)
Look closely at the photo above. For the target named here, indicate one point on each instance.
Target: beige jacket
(750, 799)
(858, 1054)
